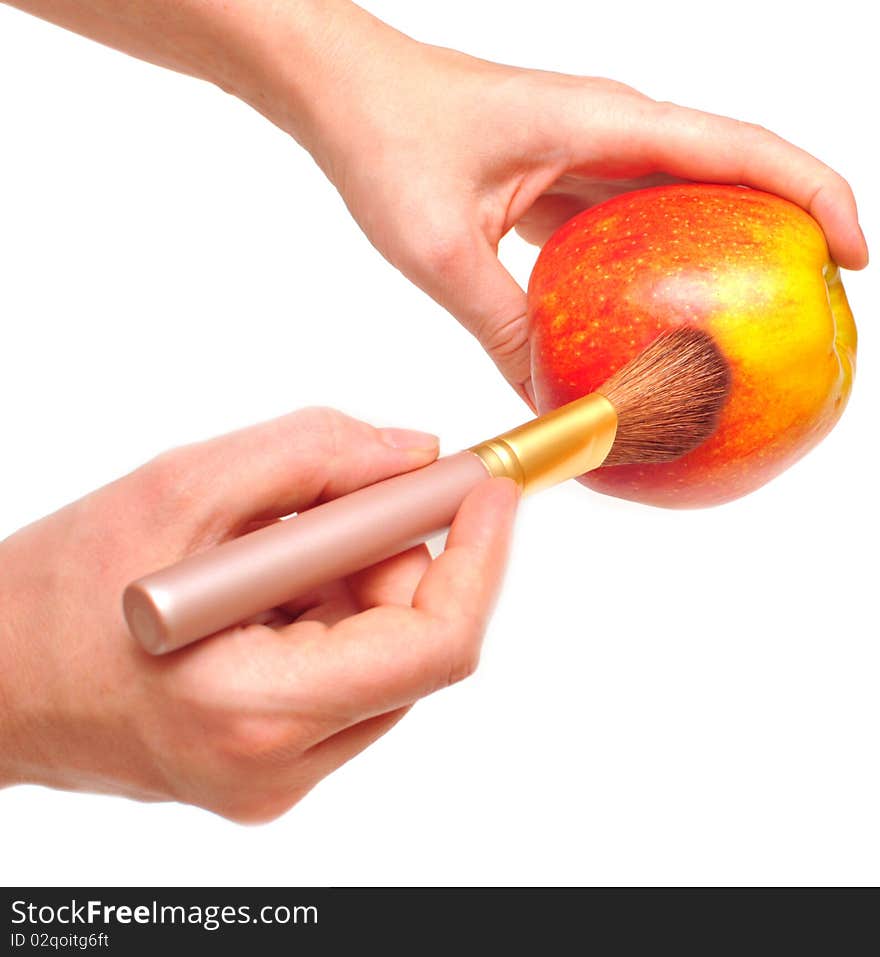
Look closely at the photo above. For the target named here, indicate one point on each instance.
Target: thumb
(470, 282)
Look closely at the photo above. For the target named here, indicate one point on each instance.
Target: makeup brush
(658, 407)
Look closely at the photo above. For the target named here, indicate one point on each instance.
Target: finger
(286, 465)
(449, 592)
(437, 642)
(546, 215)
(335, 604)
(387, 657)
(392, 582)
(711, 148)
(300, 604)
(272, 618)
(493, 306)
(571, 195)
(466, 277)
(334, 751)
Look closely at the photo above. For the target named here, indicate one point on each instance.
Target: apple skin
(749, 268)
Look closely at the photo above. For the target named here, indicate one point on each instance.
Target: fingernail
(529, 390)
(409, 440)
(513, 490)
(865, 243)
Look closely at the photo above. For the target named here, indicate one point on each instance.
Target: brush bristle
(668, 398)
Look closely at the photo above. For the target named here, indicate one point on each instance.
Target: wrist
(13, 682)
(308, 68)
(31, 749)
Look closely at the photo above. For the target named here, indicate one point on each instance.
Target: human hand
(438, 155)
(247, 721)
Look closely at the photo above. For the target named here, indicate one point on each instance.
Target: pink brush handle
(215, 589)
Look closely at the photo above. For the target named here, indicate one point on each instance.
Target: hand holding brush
(658, 407)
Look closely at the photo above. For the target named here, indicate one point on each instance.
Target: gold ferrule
(560, 445)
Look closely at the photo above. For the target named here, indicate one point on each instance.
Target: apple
(749, 268)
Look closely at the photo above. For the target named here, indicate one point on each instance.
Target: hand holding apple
(748, 267)
(438, 154)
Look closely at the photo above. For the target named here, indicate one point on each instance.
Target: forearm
(284, 57)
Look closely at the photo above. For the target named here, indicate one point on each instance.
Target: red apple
(751, 269)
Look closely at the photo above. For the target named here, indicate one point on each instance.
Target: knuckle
(505, 338)
(615, 86)
(442, 251)
(256, 808)
(163, 469)
(757, 130)
(666, 109)
(245, 766)
(253, 740)
(168, 479)
(664, 115)
(321, 418)
(464, 651)
(463, 666)
(328, 430)
(841, 181)
(834, 181)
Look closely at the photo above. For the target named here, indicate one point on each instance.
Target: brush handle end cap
(145, 619)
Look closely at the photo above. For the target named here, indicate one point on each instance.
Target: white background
(664, 697)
